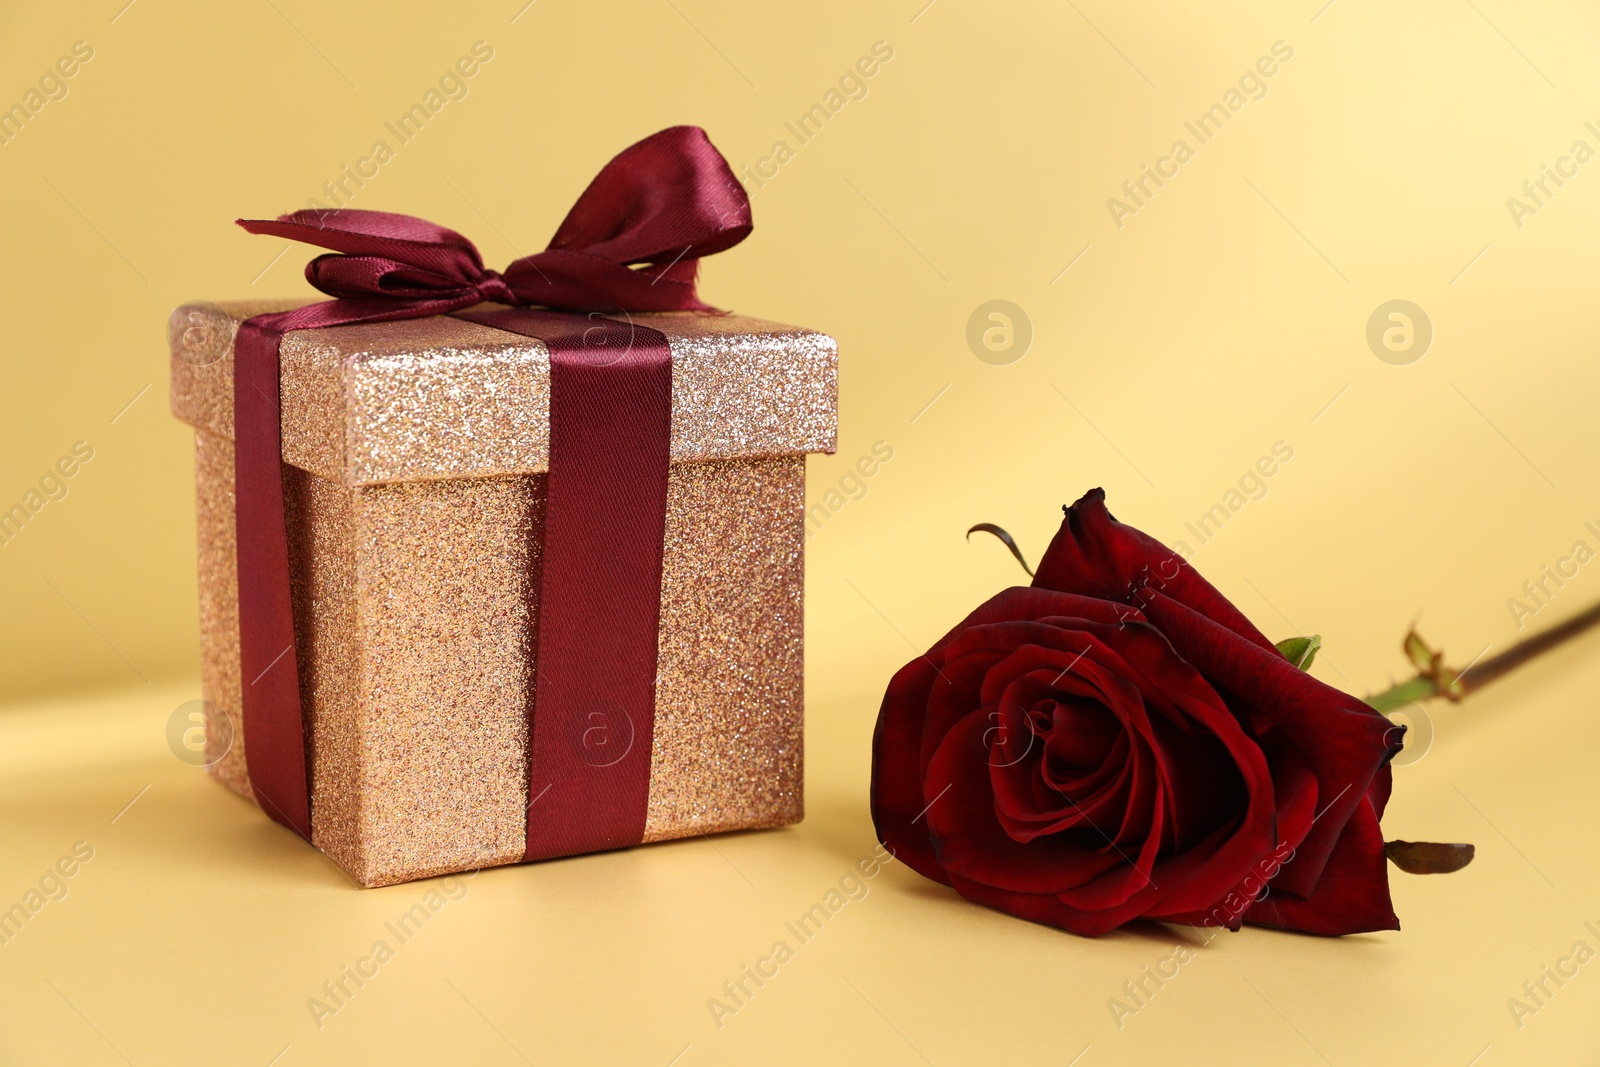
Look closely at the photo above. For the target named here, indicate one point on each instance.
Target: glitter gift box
(414, 460)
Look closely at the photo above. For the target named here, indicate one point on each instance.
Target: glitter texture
(219, 609)
(415, 501)
(727, 751)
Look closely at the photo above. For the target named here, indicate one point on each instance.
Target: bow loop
(403, 238)
(670, 197)
(350, 277)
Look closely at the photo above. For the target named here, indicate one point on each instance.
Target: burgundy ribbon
(630, 243)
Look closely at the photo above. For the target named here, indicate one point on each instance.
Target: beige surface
(199, 930)
(1168, 355)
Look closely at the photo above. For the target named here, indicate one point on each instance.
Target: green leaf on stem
(1301, 650)
(1423, 658)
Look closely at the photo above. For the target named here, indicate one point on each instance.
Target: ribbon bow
(661, 205)
(631, 243)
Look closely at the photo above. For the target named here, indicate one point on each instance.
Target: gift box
(415, 458)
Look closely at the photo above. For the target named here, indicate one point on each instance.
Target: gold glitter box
(414, 469)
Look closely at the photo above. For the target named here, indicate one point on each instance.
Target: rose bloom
(1118, 742)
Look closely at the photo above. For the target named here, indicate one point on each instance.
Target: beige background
(1227, 314)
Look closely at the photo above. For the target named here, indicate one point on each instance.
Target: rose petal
(898, 759)
(1198, 878)
(1382, 786)
(1143, 657)
(896, 770)
(1132, 876)
(945, 704)
(1204, 788)
(1095, 555)
(1050, 910)
(969, 840)
(1345, 741)
(1351, 897)
(1294, 786)
(1027, 804)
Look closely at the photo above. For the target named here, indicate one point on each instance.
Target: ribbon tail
(274, 731)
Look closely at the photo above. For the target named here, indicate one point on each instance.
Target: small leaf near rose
(1423, 658)
(1428, 857)
(1300, 650)
(1005, 539)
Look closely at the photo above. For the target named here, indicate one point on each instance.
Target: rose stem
(1427, 685)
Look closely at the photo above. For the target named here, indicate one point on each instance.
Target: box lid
(441, 397)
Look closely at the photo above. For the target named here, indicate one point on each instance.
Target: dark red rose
(1118, 742)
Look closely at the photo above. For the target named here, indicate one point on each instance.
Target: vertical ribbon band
(589, 743)
(269, 674)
